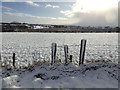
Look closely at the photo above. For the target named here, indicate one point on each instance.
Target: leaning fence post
(53, 54)
(70, 58)
(82, 51)
(66, 54)
(14, 59)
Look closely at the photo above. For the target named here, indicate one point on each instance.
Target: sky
(74, 12)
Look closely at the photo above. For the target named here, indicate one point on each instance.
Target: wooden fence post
(66, 54)
(14, 59)
(82, 51)
(53, 54)
(70, 58)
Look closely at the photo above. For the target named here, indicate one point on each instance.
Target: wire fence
(26, 56)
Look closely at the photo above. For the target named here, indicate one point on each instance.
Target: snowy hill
(96, 75)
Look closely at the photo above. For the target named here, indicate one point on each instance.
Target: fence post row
(53, 54)
(66, 54)
(14, 59)
(54, 49)
(82, 51)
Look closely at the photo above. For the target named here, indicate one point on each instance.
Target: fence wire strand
(28, 55)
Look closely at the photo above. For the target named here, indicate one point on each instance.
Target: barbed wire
(66, 44)
(88, 47)
(30, 54)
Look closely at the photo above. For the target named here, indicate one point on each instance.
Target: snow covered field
(30, 47)
(34, 47)
(97, 75)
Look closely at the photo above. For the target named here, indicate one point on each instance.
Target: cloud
(97, 13)
(39, 0)
(22, 17)
(17, 14)
(32, 3)
(51, 6)
(6, 8)
(8, 0)
(67, 13)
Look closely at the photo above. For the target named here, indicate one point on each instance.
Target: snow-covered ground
(30, 47)
(0, 78)
(96, 75)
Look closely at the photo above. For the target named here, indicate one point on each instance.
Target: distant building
(40, 27)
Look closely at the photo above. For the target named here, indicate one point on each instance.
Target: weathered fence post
(14, 59)
(66, 54)
(70, 58)
(82, 51)
(53, 54)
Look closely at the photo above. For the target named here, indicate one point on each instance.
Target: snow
(95, 75)
(33, 50)
(0, 78)
(30, 47)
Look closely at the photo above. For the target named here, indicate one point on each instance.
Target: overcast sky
(75, 12)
